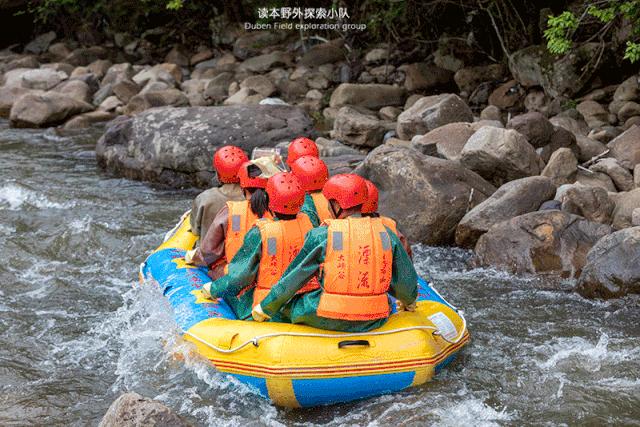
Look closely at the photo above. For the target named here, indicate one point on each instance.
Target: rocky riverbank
(535, 167)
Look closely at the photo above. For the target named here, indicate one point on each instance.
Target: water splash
(15, 196)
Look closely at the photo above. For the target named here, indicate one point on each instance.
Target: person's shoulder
(317, 233)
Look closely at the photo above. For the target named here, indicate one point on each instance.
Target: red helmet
(246, 181)
(299, 147)
(311, 171)
(227, 161)
(371, 205)
(286, 194)
(347, 189)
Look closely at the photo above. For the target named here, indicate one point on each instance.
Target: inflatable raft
(296, 365)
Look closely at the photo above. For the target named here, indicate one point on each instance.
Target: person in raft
(226, 162)
(370, 209)
(360, 262)
(267, 250)
(313, 174)
(231, 223)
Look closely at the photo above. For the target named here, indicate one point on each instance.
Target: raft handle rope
(256, 340)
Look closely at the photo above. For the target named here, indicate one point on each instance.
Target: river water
(75, 331)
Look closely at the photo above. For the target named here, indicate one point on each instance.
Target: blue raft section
(177, 282)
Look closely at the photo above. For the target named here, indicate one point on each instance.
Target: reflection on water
(75, 331)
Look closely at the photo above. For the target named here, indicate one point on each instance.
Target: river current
(76, 330)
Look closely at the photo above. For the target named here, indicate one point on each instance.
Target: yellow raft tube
(296, 365)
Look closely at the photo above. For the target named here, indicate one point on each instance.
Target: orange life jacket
(357, 270)
(281, 242)
(322, 206)
(241, 219)
(390, 223)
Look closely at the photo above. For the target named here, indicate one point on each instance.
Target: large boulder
(500, 155)
(45, 109)
(174, 145)
(426, 195)
(566, 76)
(549, 241)
(373, 96)
(625, 148)
(431, 112)
(324, 53)
(357, 127)
(133, 410)
(447, 141)
(592, 203)
(612, 268)
(469, 78)
(512, 199)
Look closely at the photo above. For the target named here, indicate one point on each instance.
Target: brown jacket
(211, 249)
(208, 203)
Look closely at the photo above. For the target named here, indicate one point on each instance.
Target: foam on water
(15, 196)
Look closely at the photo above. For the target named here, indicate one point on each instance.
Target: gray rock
(512, 199)
(595, 179)
(244, 96)
(110, 104)
(125, 90)
(626, 148)
(218, 88)
(174, 145)
(447, 141)
(133, 410)
(194, 89)
(9, 95)
(103, 93)
(540, 242)
(42, 79)
(250, 44)
(626, 203)
(45, 109)
(263, 63)
(469, 78)
(612, 269)
(491, 112)
(423, 76)
(154, 74)
(589, 148)
(534, 126)
(636, 175)
(536, 66)
(500, 155)
(407, 180)
(628, 110)
(431, 112)
(620, 176)
(118, 72)
(86, 55)
(324, 53)
(629, 90)
(332, 148)
(389, 113)
(575, 125)
(561, 138)
(594, 114)
(85, 120)
(372, 96)
(259, 84)
(41, 43)
(355, 127)
(562, 167)
(592, 203)
(144, 101)
(76, 89)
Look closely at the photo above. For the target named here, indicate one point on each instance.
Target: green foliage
(606, 14)
(175, 4)
(559, 30)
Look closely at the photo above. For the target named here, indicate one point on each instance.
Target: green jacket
(309, 208)
(302, 308)
(242, 272)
